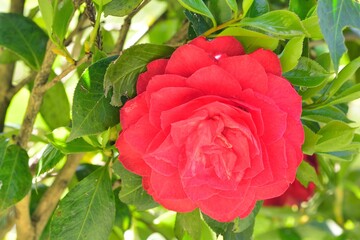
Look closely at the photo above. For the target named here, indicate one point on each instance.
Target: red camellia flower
(213, 128)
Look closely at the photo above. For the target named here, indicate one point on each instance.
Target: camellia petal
(268, 60)
(218, 47)
(154, 68)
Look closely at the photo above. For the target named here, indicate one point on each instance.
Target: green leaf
(246, 4)
(15, 176)
(279, 23)
(334, 136)
(307, 73)
(58, 138)
(132, 191)
(23, 37)
(251, 40)
(63, 12)
(346, 96)
(123, 216)
(311, 139)
(334, 16)
(301, 7)
(325, 115)
(345, 74)
(47, 13)
(91, 111)
(311, 25)
(122, 74)
(188, 224)
(198, 23)
(198, 6)
(120, 8)
(56, 116)
(259, 7)
(87, 211)
(102, 2)
(233, 6)
(50, 157)
(291, 54)
(306, 174)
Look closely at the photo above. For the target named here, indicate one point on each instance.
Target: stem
(221, 26)
(125, 28)
(95, 30)
(51, 197)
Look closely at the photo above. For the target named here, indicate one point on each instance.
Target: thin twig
(51, 197)
(68, 70)
(125, 28)
(13, 90)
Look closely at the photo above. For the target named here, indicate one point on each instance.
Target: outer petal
(166, 80)
(187, 59)
(168, 191)
(247, 71)
(284, 95)
(227, 209)
(219, 46)
(133, 110)
(155, 67)
(213, 80)
(268, 60)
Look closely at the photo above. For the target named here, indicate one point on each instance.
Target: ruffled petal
(166, 80)
(187, 59)
(247, 71)
(213, 80)
(228, 46)
(268, 60)
(133, 110)
(284, 95)
(154, 68)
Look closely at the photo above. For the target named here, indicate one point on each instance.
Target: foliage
(68, 66)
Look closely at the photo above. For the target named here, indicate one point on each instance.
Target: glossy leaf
(198, 6)
(102, 2)
(325, 115)
(59, 139)
(23, 37)
(233, 6)
(246, 4)
(251, 40)
(188, 224)
(291, 54)
(258, 7)
(63, 12)
(122, 74)
(301, 7)
(198, 23)
(348, 95)
(306, 174)
(56, 116)
(13, 185)
(50, 157)
(307, 73)
(344, 75)
(132, 191)
(280, 23)
(47, 13)
(120, 8)
(91, 111)
(334, 16)
(87, 211)
(311, 139)
(334, 136)
(311, 25)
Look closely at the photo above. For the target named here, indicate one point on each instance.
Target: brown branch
(68, 70)
(24, 227)
(6, 76)
(50, 199)
(13, 90)
(125, 28)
